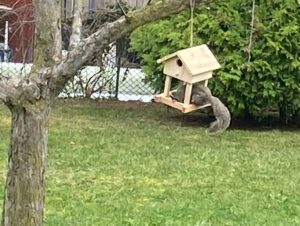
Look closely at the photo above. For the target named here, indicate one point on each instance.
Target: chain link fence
(115, 76)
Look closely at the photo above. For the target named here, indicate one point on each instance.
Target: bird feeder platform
(184, 108)
(191, 66)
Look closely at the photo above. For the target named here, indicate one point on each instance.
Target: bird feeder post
(167, 88)
(188, 93)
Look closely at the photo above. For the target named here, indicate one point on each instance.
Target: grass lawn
(110, 164)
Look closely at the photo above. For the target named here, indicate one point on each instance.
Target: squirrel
(202, 95)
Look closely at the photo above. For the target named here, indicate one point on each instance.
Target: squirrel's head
(198, 99)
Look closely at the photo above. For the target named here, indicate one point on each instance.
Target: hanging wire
(192, 6)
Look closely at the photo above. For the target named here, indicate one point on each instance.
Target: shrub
(271, 80)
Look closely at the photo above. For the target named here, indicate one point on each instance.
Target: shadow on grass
(204, 118)
(165, 115)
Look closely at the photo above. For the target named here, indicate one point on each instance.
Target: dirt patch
(104, 104)
(135, 105)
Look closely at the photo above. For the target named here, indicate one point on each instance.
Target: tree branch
(3, 91)
(110, 32)
(47, 49)
(251, 31)
(10, 90)
(76, 25)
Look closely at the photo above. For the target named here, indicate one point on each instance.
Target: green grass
(111, 165)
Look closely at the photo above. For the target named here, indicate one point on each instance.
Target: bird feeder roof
(197, 60)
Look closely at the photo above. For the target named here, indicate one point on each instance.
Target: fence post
(118, 76)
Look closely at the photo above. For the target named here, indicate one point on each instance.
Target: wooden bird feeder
(191, 65)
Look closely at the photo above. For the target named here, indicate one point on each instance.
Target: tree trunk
(24, 191)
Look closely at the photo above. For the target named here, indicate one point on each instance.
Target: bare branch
(110, 32)
(21, 21)
(114, 30)
(251, 31)
(77, 25)
(121, 7)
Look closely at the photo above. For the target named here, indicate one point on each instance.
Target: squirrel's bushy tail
(202, 95)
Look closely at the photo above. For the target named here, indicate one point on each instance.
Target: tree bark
(24, 191)
(29, 99)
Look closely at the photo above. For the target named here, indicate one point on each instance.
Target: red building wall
(21, 29)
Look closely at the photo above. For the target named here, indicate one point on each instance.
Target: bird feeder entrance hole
(179, 63)
(191, 66)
